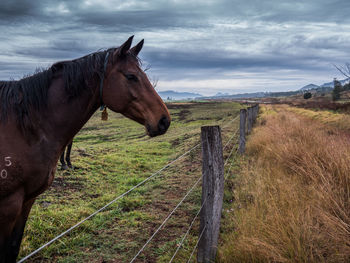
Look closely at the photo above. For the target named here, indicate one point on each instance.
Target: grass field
(292, 192)
(111, 157)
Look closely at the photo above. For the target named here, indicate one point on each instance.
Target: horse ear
(123, 49)
(136, 49)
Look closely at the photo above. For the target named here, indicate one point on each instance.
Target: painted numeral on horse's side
(8, 161)
(3, 174)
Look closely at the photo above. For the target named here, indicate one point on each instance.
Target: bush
(307, 95)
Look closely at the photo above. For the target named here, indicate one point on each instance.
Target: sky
(207, 46)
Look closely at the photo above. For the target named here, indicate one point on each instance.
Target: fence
(213, 177)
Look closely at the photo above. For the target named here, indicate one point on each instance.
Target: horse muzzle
(162, 127)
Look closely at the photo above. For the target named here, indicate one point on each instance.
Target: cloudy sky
(205, 46)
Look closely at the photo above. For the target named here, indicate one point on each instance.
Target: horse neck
(67, 116)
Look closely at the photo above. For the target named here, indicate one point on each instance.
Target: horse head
(127, 90)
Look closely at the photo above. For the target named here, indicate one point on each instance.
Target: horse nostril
(163, 124)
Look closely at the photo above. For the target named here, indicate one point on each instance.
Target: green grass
(112, 157)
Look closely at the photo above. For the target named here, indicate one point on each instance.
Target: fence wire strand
(165, 220)
(107, 205)
(229, 169)
(233, 147)
(234, 134)
(199, 239)
(188, 231)
(198, 133)
(227, 124)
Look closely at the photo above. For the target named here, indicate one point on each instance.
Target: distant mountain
(308, 87)
(238, 96)
(220, 94)
(174, 95)
(331, 84)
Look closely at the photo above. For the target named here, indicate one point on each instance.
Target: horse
(40, 115)
(65, 162)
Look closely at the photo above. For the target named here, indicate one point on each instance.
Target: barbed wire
(165, 220)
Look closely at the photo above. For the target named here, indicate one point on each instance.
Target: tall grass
(293, 194)
(335, 119)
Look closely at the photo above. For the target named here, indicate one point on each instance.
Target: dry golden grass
(338, 120)
(293, 194)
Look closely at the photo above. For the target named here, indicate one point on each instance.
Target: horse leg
(10, 210)
(69, 148)
(17, 233)
(63, 163)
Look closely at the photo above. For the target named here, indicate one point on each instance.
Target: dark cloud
(188, 39)
(218, 60)
(126, 21)
(16, 9)
(286, 11)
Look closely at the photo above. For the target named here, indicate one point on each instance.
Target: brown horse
(40, 115)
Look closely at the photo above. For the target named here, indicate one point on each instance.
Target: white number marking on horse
(8, 161)
(3, 174)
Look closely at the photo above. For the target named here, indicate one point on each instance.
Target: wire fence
(188, 231)
(180, 245)
(195, 247)
(107, 205)
(203, 203)
(165, 220)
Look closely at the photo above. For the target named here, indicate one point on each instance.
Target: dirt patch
(183, 114)
(175, 142)
(180, 105)
(62, 184)
(82, 152)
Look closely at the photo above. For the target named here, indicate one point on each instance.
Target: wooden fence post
(243, 117)
(249, 119)
(212, 192)
(254, 113)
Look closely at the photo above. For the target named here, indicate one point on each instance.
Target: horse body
(28, 158)
(28, 174)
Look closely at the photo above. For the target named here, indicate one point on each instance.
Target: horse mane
(29, 94)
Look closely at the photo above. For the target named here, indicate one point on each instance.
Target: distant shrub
(337, 89)
(307, 95)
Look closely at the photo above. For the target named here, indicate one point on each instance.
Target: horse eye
(131, 77)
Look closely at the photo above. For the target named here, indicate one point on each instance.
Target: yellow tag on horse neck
(104, 115)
